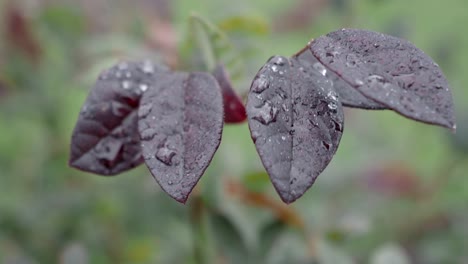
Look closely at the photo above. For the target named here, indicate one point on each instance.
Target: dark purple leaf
(296, 122)
(105, 139)
(348, 95)
(388, 70)
(180, 124)
(234, 110)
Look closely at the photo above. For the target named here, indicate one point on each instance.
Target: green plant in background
(49, 213)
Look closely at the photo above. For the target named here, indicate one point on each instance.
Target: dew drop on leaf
(105, 139)
(187, 119)
(280, 122)
(387, 70)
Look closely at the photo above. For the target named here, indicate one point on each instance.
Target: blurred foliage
(396, 192)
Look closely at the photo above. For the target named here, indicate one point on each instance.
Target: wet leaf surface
(105, 139)
(234, 110)
(180, 123)
(349, 96)
(388, 70)
(296, 122)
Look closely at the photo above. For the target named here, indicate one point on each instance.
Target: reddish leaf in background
(105, 140)
(296, 122)
(20, 34)
(180, 124)
(234, 109)
(389, 70)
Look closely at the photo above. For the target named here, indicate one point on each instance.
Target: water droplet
(122, 66)
(332, 106)
(359, 82)
(332, 53)
(144, 110)
(147, 67)
(148, 134)
(332, 95)
(118, 109)
(104, 75)
(274, 68)
(283, 138)
(260, 84)
(376, 45)
(351, 60)
(320, 68)
(126, 85)
(375, 79)
(292, 131)
(165, 155)
(144, 87)
(108, 150)
(170, 182)
(266, 114)
(293, 180)
(278, 60)
(281, 72)
(338, 126)
(326, 145)
(255, 135)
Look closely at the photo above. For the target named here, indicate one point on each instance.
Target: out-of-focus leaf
(256, 181)
(180, 125)
(296, 122)
(19, 33)
(245, 24)
(74, 253)
(229, 241)
(105, 139)
(390, 71)
(288, 247)
(460, 139)
(63, 20)
(268, 235)
(215, 46)
(234, 110)
(390, 254)
(330, 254)
(394, 178)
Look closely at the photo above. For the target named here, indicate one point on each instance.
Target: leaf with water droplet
(105, 140)
(234, 110)
(349, 96)
(185, 121)
(390, 71)
(296, 122)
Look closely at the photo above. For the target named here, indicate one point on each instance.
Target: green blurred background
(396, 191)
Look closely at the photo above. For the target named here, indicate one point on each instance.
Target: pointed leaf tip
(180, 125)
(296, 121)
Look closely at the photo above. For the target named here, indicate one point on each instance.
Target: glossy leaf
(180, 124)
(349, 96)
(105, 139)
(234, 109)
(296, 122)
(388, 70)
